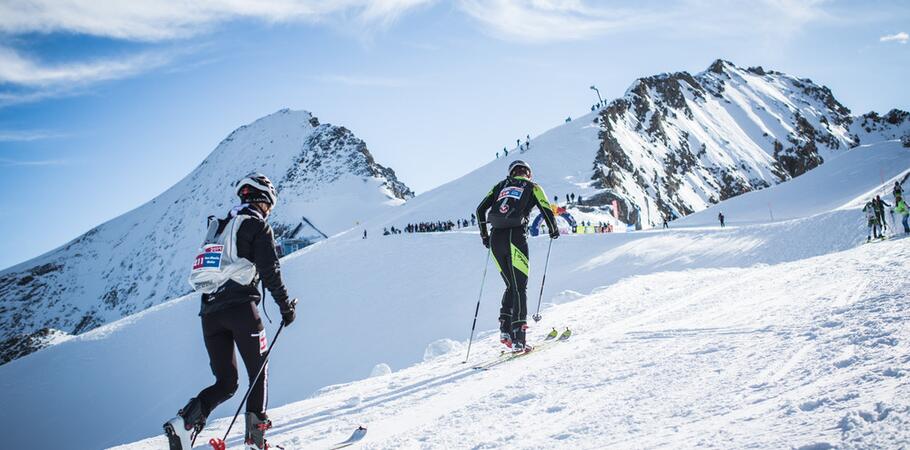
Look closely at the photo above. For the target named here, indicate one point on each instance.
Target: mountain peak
(720, 66)
(327, 181)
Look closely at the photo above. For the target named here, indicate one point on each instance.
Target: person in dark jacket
(509, 203)
(879, 206)
(230, 317)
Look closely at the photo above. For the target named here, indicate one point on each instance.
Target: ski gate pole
(477, 308)
(540, 297)
(219, 444)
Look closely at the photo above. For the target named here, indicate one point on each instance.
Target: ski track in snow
(808, 353)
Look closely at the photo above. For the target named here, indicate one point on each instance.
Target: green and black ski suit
(509, 204)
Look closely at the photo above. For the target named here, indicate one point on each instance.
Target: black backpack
(511, 203)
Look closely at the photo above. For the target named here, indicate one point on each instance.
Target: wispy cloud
(567, 20)
(18, 69)
(28, 79)
(5, 162)
(901, 37)
(25, 79)
(359, 80)
(28, 135)
(158, 20)
(547, 20)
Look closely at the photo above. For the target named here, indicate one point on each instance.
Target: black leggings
(510, 251)
(239, 325)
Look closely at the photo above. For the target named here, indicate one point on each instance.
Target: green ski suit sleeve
(540, 198)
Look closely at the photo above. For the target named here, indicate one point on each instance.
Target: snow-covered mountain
(678, 143)
(327, 181)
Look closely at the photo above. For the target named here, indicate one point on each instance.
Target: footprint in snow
(523, 398)
(812, 405)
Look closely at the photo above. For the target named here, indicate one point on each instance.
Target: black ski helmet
(257, 188)
(518, 163)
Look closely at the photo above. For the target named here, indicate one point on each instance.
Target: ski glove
(554, 234)
(289, 313)
(486, 241)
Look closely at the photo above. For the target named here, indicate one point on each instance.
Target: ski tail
(357, 436)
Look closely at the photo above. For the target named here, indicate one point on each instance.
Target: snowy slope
(846, 175)
(323, 172)
(816, 358)
(385, 300)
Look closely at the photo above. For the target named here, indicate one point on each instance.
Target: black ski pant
(510, 252)
(241, 326)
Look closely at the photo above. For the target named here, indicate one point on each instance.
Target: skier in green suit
(509, 203)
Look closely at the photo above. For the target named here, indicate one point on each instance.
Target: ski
(504, 356)
(358, 434)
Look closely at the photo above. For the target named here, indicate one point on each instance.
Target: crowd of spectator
(432, 226)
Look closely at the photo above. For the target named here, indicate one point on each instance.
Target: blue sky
(102, 107)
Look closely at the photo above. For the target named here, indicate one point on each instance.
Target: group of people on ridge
(875, 213)
(239, 253)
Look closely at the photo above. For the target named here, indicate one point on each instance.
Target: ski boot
(183, 428)
(518, 343)
(505, 337)
(521, 347)
(255, 431)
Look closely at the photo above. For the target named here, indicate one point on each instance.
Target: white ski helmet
(519, 163)
(257, 187)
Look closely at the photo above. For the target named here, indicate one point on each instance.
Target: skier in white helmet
(238, 254)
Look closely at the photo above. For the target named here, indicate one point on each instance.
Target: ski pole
(477, 308)
(219, 444)
(540, 297)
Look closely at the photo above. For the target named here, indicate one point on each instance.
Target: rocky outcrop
(676, 143)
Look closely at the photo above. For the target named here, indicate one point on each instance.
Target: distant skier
(871, 220)
(720, 217)
(509, 204)
(229, 311)
(364, 234)
(901, 208)
(666, 225)
(879, 206)
(898, 190)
